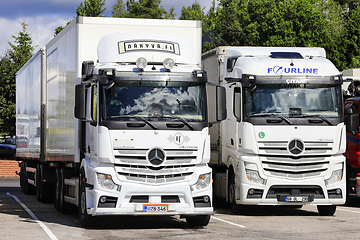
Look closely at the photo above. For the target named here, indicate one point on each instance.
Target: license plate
(297, 199)
(156, 208)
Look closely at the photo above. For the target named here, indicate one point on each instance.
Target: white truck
(284, 135)
(113, 115)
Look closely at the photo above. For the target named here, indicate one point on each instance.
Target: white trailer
(138, 143)
(284, 135)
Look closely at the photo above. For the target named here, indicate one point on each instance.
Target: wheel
(235, 208)
(57, 189)
(43, 188)
(198, 221)
(64, 207)
(327, 210)
(39, 184)
(85, 219)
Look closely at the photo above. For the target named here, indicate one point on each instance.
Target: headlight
(105, 181)
(336, 176)
(203, 182)
(254, 176)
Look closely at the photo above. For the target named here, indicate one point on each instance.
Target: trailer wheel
(85, 219)
(57, 189)
(64, 207)
(327, 210)
(39, 184)
(198, 221)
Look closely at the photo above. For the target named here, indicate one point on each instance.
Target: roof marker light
(168, 63)
(141, 63)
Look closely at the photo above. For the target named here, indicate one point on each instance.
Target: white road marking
(342, 209)
(46, 229)
(219, 219)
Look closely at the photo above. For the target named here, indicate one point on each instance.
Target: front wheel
(198, 221)
(327, 210)
(85, 219)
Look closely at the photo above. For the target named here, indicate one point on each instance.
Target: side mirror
(80, 102)
(86, 69)
(220, 103)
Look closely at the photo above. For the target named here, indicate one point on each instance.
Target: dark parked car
(7, 146)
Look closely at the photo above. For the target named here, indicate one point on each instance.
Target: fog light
(206, 199)
(251, 191)
(338, 191)
(103, 199)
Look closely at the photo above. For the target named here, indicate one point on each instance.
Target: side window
(94, 93)
(237, 103)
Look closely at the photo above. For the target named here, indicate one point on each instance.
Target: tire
(198, 221)
(237, 209)
(327, 210)
(43, 188)
(39, 184)
(64, 207)
(57, 188)
(85, 219)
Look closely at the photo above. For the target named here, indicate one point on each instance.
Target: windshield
(318, 100)
(154, 101)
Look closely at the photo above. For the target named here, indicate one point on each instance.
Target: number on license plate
(297, 199)
(155, 208)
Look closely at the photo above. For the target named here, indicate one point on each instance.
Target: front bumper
(177, 198)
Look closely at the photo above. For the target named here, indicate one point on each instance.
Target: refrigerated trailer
(114, 116)
(284, 135)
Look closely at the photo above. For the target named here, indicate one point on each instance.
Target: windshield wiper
(138, 117)
(276, 115)
(319, 116)
(181, 120)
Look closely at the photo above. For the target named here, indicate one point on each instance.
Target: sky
(43, 16)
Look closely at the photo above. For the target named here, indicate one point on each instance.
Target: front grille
(138, 156)
(277, 160)
(134, 165)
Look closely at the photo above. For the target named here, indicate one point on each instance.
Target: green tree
(91, 8)
(351, 39)
(287, 23)
(194, 12)
(119, 9)
(20, 52)
(145, 9)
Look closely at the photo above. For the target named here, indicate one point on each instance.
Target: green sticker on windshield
(261, 134)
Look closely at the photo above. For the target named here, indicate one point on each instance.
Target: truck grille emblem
(296, 147)
(156, 156)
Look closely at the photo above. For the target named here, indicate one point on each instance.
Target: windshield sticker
(178, 139)
(261, 134)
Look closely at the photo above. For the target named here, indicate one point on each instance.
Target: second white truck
(284, 135)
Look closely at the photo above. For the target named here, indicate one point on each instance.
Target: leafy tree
(14, 59)
(145, 9)
(119, 9)
(287, 23)
(192, 13)
(351, 39)
(141, 9)
(91, 8)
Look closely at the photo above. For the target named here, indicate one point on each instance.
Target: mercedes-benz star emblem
(156, 156)
(296, 147)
